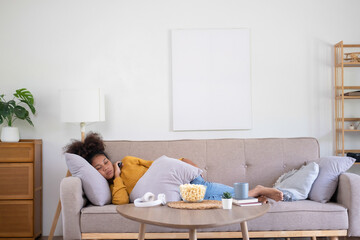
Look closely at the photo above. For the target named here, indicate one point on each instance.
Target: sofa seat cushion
(282, 216)
(105, 219)
(302, 215)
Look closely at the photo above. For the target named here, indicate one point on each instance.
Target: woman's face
(103, 165)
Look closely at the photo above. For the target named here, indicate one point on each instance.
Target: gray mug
(241, 190)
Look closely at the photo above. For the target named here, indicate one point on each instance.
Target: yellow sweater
(132, 170)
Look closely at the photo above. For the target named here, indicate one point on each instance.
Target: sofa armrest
(72, 201)
(349, 195)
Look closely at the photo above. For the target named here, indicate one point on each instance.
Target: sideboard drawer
(16, 180)
(17, 152)
(15, 218)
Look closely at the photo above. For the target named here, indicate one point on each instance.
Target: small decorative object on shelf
(354, 125)
(12, 110)
(352, 57)
(226, 200)
(347, 95)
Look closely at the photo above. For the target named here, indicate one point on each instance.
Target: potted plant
(226, 200)
(15, 109)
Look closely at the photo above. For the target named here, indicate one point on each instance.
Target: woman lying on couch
(123, 180)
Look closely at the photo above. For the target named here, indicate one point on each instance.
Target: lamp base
(82, 129)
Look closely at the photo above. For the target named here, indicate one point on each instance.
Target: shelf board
(347, 150)
(351, 64)
(350, 119)
(348, 97)
(349, 130)
(348, 64)
(351, 45)
(348, 87)
(351, 97)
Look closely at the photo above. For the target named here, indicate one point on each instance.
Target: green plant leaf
(32, 108)
(24, 94)
(29, 121)
(6, 108)
(26, 97)
(11, 110)
(2, 108)
(21, 112)
(226, 195)
(7, 111)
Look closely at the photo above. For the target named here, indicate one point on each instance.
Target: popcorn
(192, 192)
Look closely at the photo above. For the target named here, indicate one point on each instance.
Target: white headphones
(148, 200)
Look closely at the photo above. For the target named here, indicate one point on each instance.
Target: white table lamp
(79, 106)
(82, 106)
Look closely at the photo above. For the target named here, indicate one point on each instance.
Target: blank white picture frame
(211, 84)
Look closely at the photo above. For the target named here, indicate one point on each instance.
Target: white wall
(124, 47)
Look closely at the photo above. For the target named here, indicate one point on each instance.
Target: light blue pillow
(326, 183)
(298, 182)
(96, 187)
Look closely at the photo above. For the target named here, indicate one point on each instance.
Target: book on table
(248, 204)
(245, 201)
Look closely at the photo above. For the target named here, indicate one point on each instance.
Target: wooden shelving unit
(341, 88)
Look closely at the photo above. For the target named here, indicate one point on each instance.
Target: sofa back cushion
(228, 160)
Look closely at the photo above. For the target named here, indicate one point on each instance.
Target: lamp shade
(82, 105)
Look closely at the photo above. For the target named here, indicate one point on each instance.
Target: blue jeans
(214, 191)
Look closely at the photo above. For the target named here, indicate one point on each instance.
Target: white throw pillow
(299, 182)
(165, 175)
(96, 187)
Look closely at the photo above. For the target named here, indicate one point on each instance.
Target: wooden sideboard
(21, 189)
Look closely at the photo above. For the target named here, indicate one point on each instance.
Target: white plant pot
(10, 134)
(226, 203)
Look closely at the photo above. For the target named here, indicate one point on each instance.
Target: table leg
(142, 231)
(192, 234)
(244, 230)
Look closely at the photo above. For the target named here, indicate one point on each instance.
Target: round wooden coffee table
(191, 219)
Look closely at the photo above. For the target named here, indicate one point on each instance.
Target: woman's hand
(117, 169)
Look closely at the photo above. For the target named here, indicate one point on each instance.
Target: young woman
(122, 180)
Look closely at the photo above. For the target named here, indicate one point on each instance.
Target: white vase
(10, 134)
(226, 203)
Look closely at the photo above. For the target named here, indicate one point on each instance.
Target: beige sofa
(257, 161)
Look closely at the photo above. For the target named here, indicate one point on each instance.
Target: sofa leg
(334, 238)
(288, 238)
(313, 238)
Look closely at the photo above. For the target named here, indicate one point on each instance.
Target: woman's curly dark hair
(92, 146)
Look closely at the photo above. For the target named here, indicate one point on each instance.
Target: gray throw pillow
(95, 186)
(165, 175)
(330, 169)
(299, 182)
